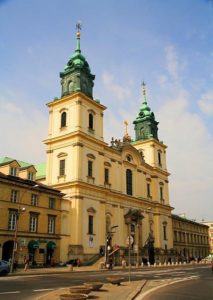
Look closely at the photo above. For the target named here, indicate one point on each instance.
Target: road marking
(5, 293)
(43, 290)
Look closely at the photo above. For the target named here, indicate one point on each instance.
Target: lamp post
(15, 247)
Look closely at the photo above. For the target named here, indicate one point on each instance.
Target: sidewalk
(66, 269)
(126, 291)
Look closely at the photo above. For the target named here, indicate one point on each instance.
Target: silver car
(4, 267)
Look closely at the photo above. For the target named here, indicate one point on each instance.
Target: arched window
(90, 121)
(129, 182)
(63, 119)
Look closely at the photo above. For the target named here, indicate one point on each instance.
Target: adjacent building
(30, 215)
(210, 230)
(191, 239)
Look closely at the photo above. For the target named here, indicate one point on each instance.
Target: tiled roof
(41, 170)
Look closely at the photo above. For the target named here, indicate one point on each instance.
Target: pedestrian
(123, 263)
(15, 265)
(26, 263)
(110, 263)
(78, 262)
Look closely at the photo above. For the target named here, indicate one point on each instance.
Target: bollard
(70, 268)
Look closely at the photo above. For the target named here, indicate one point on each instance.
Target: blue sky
(167, 43)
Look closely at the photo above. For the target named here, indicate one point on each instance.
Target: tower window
(90, 224)
(148, 190)
(106, 175)
(161, 193)
(129, 182)
(164, 232)
(91, 121)
(62, 167)
(90, 168)
(159, 158)
(63, 119)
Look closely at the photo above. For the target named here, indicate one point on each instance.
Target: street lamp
(18, 212)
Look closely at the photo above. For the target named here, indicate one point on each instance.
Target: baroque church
(117, 195)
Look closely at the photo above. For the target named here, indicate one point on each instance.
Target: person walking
(26, 263)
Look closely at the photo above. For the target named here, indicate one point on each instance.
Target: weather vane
(78, 26)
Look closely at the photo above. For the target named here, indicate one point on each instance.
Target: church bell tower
(77, 76)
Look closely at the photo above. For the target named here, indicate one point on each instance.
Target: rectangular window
(12, 220)
(51, 224)
(13, 171)
(106, 175)
(30, 176)
(175, 236)
(33, 222)
(52, 203)
(62, 167)
(90, 168)
(34, 200)
(148, 190)
(90, 225)
(14, 196)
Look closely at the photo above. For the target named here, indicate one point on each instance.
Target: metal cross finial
(78, 26)
(144, 91)
(144, 88)
(126, 125)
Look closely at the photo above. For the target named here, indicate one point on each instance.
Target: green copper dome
(145, 123)
(77, 76)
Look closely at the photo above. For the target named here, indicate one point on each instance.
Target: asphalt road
(30, 287)
(197, 289)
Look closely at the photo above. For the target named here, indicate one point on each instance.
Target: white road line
(5, 293)
(43, 290)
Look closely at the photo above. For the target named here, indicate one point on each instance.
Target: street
(199, 288)
(33, 286)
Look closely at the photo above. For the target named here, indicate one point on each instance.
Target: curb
(42, 272)
(137, 291)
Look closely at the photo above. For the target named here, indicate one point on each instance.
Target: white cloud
(162, 80)
(172, 61)
(190, 147)
(206, 103)
(118, 91)
(174, 65)
(23, 129)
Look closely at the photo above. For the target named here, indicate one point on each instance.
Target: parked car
(4, 267)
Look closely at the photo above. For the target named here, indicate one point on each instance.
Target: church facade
(117, 195)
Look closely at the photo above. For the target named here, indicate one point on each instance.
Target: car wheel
(4, 273)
